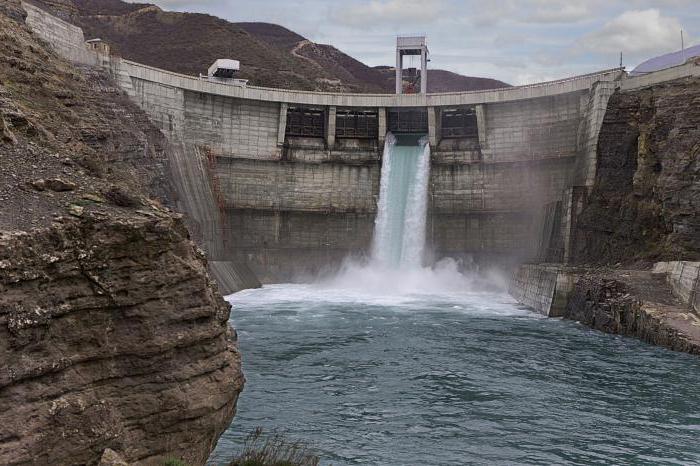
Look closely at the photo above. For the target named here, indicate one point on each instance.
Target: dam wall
(293, 201)
(286, 183)
(296, 205)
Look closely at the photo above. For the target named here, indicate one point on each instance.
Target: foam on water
(425, 289)
(394, 274)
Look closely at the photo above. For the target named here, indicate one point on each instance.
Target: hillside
(270, 55)
(343, 68)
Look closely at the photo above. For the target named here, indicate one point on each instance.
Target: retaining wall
(544, 288)
(66, 39)
(684, 278)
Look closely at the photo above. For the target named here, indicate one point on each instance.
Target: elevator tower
(411, 45)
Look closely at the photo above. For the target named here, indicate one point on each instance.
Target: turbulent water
(450, 377)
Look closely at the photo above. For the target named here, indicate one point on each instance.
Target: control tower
(411, 45)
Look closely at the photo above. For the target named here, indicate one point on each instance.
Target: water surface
(455, 378)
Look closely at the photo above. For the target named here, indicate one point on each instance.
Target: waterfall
(395, 270)
(399, 231)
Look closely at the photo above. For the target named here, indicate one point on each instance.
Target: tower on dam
(412, 46)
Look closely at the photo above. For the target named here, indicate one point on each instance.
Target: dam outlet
(399, 235)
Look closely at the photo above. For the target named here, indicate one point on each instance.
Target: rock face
(114, 342)
(642, 208)
(112, 336)
(613, 305)
(645, 201)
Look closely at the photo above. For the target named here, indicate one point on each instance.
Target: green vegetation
(174, 462)
(274, 449)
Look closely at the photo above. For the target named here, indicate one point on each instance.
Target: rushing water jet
(396, 267)
(399, 234)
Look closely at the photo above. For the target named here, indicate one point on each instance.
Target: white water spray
(394, 272)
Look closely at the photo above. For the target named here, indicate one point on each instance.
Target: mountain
(445, 81)
(325, 57)
(270, 55)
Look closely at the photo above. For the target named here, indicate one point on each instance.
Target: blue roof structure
(666, 61)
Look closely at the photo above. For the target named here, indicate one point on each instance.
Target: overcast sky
(517, 41)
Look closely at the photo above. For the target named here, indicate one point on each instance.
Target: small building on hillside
(98, 45)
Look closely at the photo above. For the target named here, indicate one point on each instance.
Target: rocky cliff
(112, 335)
(646, 197)
(642, 208)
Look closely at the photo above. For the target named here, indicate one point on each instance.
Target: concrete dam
(296, 175)
(288, 182)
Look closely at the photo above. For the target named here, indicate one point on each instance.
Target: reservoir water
(454, 377)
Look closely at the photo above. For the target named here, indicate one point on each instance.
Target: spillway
(399, 234)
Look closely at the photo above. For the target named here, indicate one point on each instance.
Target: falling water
(396, 267)
(399, 232)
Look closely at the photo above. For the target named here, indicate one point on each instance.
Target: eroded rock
(610, 304)
(5, 134)
(112, 458)
(644, 204)
(113, 337)
(121, 197)
(76, 210)
(53, 184)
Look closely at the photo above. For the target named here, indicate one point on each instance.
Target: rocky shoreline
(614, 303)
(643, 304)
